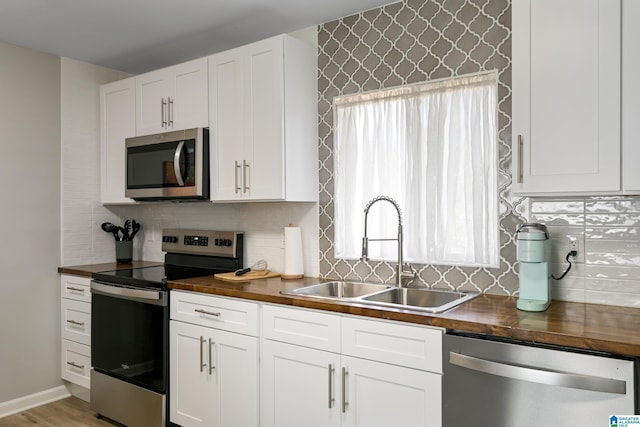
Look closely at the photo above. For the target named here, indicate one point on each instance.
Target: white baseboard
(26, 402)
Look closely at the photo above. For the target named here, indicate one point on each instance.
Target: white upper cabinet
(117, 122)
(263, 118)
(566, 96)
(172, 98)
(631, 96)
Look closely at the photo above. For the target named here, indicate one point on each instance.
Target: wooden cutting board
(252, 275)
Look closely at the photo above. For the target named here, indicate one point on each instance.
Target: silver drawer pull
(73, 289)
(75, 365)
(75, 322)
(209, 313)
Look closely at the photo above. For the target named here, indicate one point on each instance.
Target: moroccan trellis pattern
(408, 42)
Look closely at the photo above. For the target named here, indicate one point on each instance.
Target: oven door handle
(141, 295)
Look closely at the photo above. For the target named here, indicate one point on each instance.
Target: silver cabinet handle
(202, 364)
(177, 155)
(235, 171)
(332, 398)
(212, 346)
(75, 365)
(520, 162)
(245, 166)
(345, 399)
(75, 322)
(163, 112)
(73, 289)
(540, 376)
(209, 313)
(170, 111)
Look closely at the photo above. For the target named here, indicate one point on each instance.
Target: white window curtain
(433, 148)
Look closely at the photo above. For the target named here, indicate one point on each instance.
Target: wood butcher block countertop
(586, 326)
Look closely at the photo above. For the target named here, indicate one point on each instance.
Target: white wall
(30, 248)
(82, 212)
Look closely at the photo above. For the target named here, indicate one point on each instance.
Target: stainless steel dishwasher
(494, 382)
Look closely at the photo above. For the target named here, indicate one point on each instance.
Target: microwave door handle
(176, 164)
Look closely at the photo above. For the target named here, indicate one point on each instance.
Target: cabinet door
(228, 125)
(189, 102)
(300, 386)
(265, 100)
(192, 391)
(152, 96)
(117, 122)
(566, 96)
(380, 394)
(213, 377)
(234, 359)
(630, 95)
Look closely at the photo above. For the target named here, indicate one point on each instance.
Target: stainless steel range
(130, 324)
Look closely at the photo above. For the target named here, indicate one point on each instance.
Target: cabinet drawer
(75, 287)
(76, 362)
(411, 346)
(215, 312)
(302, 327)
(76, 321)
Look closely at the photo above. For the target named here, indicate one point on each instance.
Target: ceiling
(142, 35)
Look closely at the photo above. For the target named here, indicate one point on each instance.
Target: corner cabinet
(357, 372)
(76, 329)
(263, 118)
(566, 96)
(213, 357)
(117, 122)
(172, 98)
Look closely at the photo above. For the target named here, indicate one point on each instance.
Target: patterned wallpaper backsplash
(417, 40)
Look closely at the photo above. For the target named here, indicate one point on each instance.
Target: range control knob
(169, 239)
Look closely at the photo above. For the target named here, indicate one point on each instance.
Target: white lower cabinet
(366, 383)
(75, 329)
(300, 386)
(381, 394)
(316, 369)
(213, 372)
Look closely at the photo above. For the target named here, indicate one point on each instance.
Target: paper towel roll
(293, 264)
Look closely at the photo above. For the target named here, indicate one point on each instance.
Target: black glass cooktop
(176, 267)
(151, 277)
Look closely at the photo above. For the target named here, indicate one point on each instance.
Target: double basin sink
(429, 300)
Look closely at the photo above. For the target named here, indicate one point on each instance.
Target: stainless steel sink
(338, 290)
(433, 301)
(430, 300)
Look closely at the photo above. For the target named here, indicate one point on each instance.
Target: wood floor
(69, 412)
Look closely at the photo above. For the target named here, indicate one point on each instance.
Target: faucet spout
(399, 239)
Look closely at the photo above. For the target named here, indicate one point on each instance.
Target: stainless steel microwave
(168, 166)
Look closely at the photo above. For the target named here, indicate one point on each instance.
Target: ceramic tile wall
(610, 226)
(406, 42)
(416, 40)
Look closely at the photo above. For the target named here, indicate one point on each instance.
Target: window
(432, 147)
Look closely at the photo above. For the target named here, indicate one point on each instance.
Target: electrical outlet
(575, 242)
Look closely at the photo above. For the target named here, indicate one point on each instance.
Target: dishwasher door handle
(541, 376)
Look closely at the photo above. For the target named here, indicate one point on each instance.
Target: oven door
(129, 334)
(168, 165)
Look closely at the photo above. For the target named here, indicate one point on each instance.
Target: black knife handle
(243, 271)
